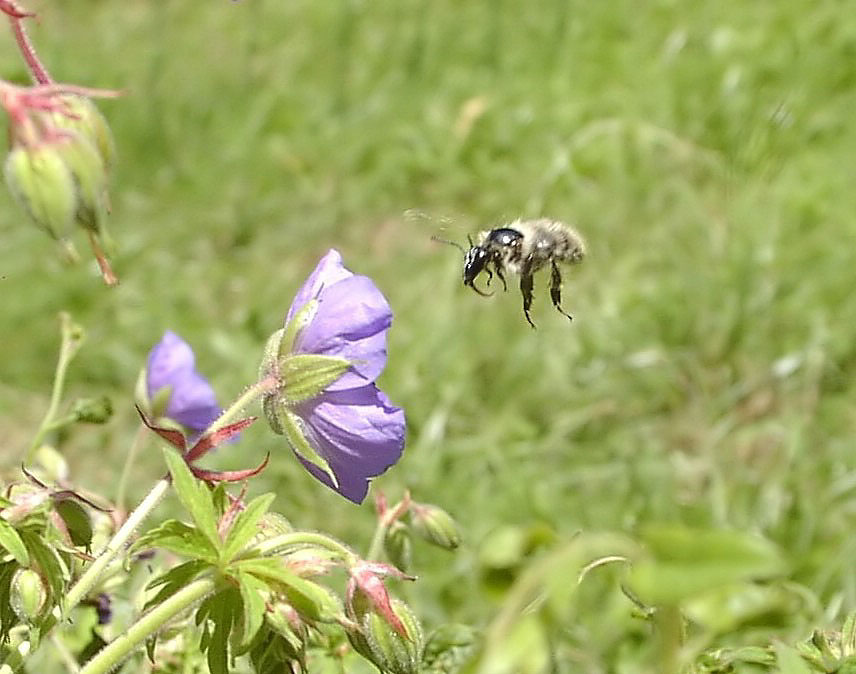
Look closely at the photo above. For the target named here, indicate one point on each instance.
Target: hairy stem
(94, 571)
(298, 538)
(71, 340)
(149, 623)
(37, 70)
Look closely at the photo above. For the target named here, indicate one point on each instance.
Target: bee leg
(489, 275)
(526, 284)
(501, 278)
(556, 290)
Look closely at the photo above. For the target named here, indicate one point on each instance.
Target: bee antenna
(451, 243)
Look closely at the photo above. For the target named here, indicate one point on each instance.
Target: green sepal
(43, 185)
(299, 321)
(291, 426)
(306, 376)
(270, 356)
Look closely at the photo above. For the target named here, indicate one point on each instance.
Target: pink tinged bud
(366, 592)
(391, 651)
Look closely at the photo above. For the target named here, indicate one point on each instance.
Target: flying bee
(523, 247)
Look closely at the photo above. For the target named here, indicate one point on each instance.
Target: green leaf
(252, 597)
(174, 579)
(48, 561)
(244, 527)
(195, 496)
(308, 598)
(77, 521)
(222, 614)
(177, 537)
(790, 662)
(687, 562)
(12, 542)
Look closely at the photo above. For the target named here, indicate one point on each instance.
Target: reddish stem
(37, 70)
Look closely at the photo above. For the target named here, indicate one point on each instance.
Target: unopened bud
(27, 594)
(92, 410)
(448, 647)
(390, 651)
(42, 183)
(80, 114)
(398, 545)
(435, 525)
(90, 179)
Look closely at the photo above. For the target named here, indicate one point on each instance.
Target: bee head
(475, 260)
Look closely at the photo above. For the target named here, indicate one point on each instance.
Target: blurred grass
(705, 150)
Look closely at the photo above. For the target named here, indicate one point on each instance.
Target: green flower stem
(253, 393)
(377, 539)
(297, 538)
(72, 338)
(149, 623)
(126, 470)
(93, 573)
(384, 523)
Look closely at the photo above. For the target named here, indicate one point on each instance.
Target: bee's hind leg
(556, 290)
(526, 285)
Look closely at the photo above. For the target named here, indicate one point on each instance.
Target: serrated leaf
(11, 541)
(194, 495)
(308, 598)
(244, 527)
(252, 597)
(177, 537)
(174, 579)
(49, 562)
(222, 614)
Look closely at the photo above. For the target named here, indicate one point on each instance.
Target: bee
(523, 247)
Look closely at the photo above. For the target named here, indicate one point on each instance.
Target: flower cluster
(317, 378)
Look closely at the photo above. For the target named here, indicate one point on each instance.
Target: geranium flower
(175, 389)
(325, 361)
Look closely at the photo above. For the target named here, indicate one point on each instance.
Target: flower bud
(398, 546)
(448, 647)
(43, 185)
(389, 650)
(27, 594)
(89, 176)
(93, 410)
(435, 525)
(80, 114)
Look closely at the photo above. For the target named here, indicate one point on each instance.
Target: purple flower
(191, 401)
(342, 428)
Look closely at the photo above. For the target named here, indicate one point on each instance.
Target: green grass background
(704, 149)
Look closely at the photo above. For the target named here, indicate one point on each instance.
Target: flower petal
(360, 434)
(350, 323)
(328, 271)
(192, 401)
